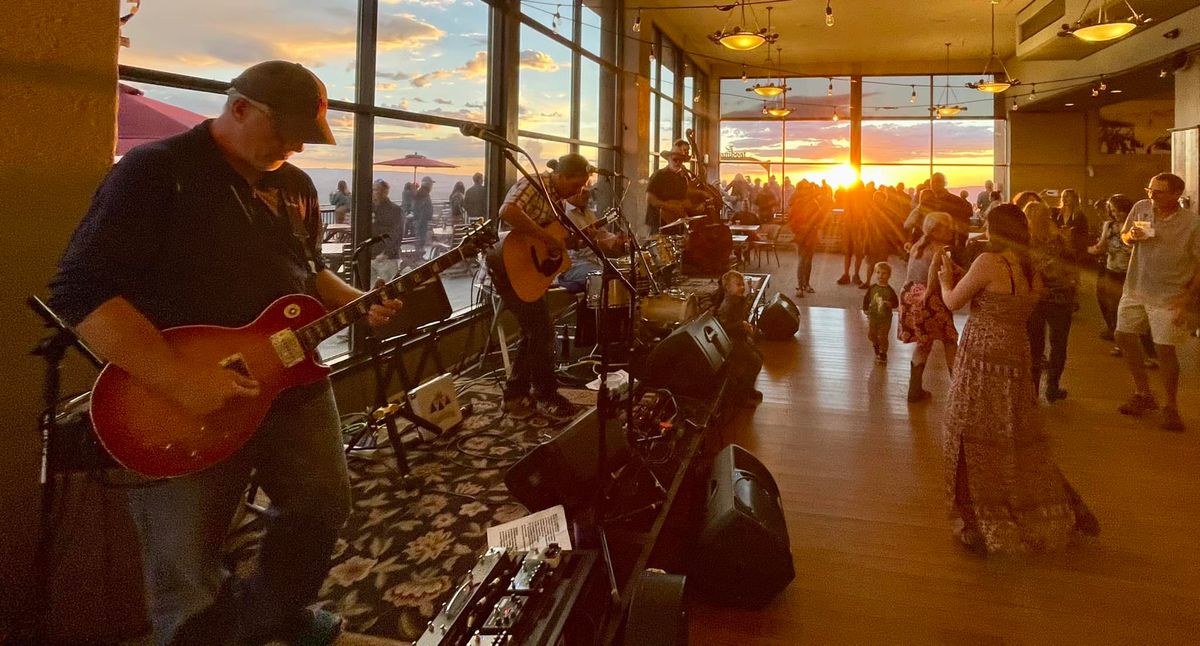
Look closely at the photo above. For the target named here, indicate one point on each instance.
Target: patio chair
(766, 241)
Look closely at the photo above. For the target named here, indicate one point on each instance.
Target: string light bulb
(1032, 93)
(1015, 105)
(1095, 91)
(1162, 74)
(745, 76)
(913, 97)
(1103, 85)
(828, 13)
(835, 114)
(637, 22)
(557, 17)
(829, 91)
(651, 52)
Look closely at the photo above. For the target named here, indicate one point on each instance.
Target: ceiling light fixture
(637, 22)
(780, 109)
(1000, 80)
(946, 108)
(1103, 28)
(828, 13)
(1115, 91)
(770, 88)
(740, 38)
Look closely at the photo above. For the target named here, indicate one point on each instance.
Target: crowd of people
(1019, 264)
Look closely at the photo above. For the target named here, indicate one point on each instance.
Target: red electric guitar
(149, 433)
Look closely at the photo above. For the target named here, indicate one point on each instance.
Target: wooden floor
(861, 475)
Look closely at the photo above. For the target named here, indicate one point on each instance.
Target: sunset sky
(433, 59)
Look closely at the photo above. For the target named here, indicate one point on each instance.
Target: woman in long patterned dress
(1003, 485)
(924, 319)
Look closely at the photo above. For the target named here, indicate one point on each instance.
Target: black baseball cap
(296, 97)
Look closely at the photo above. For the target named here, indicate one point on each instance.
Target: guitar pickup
(287, 347)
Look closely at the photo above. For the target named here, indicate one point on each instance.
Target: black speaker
(690, 360)
(657, 614)
(425, 304)
(563, 470)
(779, 319)
(742, 556)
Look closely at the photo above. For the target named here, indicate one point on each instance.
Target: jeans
(574, 280)
(804, 266)
(534, 365)
(420, 232)
(298, 461)
(1056, 317)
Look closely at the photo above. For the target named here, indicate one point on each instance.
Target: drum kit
(660, 310)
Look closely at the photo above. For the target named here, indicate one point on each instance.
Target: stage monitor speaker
(657, 611)
(689, 361)
(563, 471)
(742, 556)
(425, 304)
(779, 319)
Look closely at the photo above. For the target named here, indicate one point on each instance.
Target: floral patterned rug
(406, 544)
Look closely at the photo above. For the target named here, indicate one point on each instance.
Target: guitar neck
(314, 333)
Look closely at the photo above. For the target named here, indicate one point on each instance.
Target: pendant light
(946, 108)
(999, 78)
(770, 89)
(780, 109)
(741, 38)
(1103, 28)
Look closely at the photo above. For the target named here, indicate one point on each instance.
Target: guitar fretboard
(311, 335)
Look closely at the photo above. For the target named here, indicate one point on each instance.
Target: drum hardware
(668, 310)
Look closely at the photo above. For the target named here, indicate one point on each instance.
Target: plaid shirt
(527, 196)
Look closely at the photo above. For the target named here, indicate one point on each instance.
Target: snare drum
(618, 295)
(669, 309)
(662, 252)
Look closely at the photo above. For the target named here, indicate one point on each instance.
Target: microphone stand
(608, 272)
(355, 279)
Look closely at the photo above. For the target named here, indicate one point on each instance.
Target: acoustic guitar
(153, 435)
(526, 261)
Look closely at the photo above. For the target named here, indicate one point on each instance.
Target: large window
(901, 140)
(432, 62)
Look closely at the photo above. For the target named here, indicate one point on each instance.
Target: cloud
(476, 68)
(405, 31)
(443, 101)
(423, 80)
(436, 4)
(395, 76)
(537, 61)
(385, 87)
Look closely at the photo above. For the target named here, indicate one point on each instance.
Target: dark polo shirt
(178, 233)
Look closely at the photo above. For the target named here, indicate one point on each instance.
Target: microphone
(374, 240)
(479, 132)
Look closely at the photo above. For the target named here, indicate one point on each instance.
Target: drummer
(583, 260)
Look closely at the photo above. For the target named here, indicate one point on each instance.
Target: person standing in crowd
(915, 222)
(475, 199)
(766, 204)
(422, 214)
(1001, 480)
(210, 227)
(959, 209)
(878, 304)
(341, 202)
(984, 198)
(532, 382)
(1070, 216)
(786, 191)
(745, 361)
(1161, 291)
(855, 205)
(457, 199)
(1055, 267)
(407, 197)
(387, 219)
(806, 214)
(1111, 281)
(667, 191)
(924, 318)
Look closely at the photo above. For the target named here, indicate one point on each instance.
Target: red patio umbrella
(141, 119)
(416, 161)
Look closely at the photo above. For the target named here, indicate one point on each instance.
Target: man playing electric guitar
(528, 213)
(209, 228)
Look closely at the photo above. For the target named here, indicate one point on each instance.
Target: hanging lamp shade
(740, 41)
(1101, 32)
(998, 74)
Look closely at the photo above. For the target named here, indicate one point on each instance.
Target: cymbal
(673, 224)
